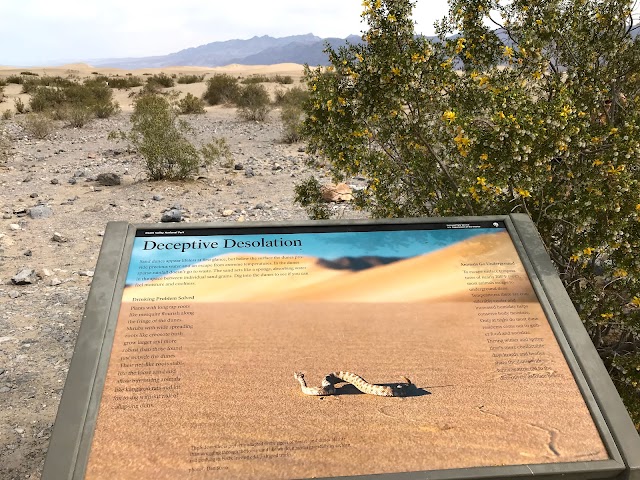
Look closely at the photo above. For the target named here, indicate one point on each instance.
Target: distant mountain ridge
(264, 50)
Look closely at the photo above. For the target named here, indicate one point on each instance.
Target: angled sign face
(324, 350)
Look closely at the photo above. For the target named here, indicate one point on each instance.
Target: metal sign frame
(76, 419)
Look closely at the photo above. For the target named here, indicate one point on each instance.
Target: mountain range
(264, 50)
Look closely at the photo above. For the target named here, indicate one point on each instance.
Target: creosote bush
(253, 102)
(7, 114)
(38, 125)
(190, 104)
(20, 106)
(159, 136)
(188, 79)
(542, 119)
(92, 96)
(221, 88)
(162, 80)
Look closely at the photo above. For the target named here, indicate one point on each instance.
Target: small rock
(73, 181)
(301, 149)
(14, 227)
(173, 215)
(176, 206)
(227, 213)
(19, 430)
(109, 179)
(34, 195)
(146, 215)
(276, 166)
(158, 198)
(40, 211)
(86, 273)
(4, 389)
(249, 172)
(336, 193)
(52, 282)
(28, 253)
(58, 237)
(238, 166)
(6, 216)
(45, 272)
(26, 276)
(14, 294)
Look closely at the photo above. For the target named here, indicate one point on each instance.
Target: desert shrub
(547, 124)
(293, 96)
(119, 82)
(159, 136)
(283, 79)
(292, 117)
(30, 84)
(3, 82)
(221, 88)
(5, 146)
(29, 74)
(253, 79)
(162, 80)
(186, 79)
(15, 79)
(190, 104)
(38, 125)
(7, 114)
(253, 102)
(20, 106)
(78, 116)
(218, 151)
(92, 95)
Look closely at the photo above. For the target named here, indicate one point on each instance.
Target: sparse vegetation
(221, 88)
(161, 80)
(38, 125)
(120, 82)
(187, 79)
(27, 73)
(191, 104)
(159, 136)
(7, 114)
(292, 113)
(69, 99)
(282, 79)
(253, 102)
(218, 151)
(19, 105)
(15, 79)
(5, 146)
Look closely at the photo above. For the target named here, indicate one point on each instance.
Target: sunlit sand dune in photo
(434, 276)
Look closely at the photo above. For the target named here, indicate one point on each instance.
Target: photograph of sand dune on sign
(452, 312)
(428, 277)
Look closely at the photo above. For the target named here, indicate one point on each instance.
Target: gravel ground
(54, 212)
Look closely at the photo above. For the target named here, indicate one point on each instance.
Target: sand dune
(437, 275)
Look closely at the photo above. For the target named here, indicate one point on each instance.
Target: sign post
(421, 348)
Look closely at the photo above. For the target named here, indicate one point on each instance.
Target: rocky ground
(54, 211)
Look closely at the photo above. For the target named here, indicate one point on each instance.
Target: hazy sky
(39, 32)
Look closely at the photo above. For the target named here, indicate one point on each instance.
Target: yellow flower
(635, 301)
(508, 52)
(606, 315)
(329, 104)
(481, 180)
(587, 251)
(620, 272)
(483, 81)
(566, 110)
(597, 162)
(449, 116)
(575, 258)
(638, 207)
(613, 131)
(460, 44)
(536, 75)
(523, 193)
(484, 157)
(395, 71)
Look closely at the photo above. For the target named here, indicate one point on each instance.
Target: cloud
(40, 31)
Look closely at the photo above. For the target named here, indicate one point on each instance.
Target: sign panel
(330, 352)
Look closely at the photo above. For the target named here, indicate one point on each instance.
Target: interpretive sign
(415, 349)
